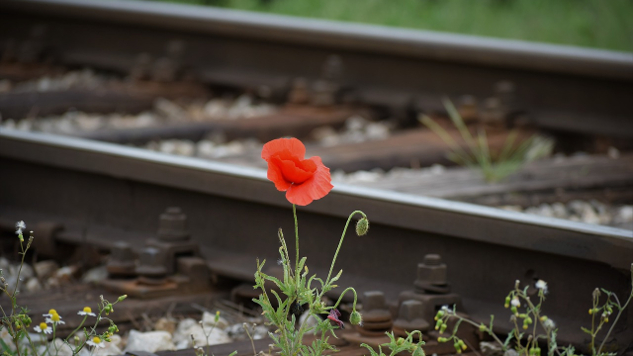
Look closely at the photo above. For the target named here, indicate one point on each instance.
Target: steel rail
(558, 87)
(609, 245)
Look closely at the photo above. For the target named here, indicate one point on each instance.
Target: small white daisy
(515, 302)
(43, 328)
(86, 311)
(55, 319)
(96, 342)
(19, 226)
(51, 312)
(542, 285)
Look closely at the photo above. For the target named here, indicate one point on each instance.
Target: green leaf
(585, 330)
(5, 347)
(336, 278)
(508, 339)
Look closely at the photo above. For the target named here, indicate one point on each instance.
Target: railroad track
(96, 193)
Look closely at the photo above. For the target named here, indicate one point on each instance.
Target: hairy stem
(620, 310)
(327, 280)
(294, 212)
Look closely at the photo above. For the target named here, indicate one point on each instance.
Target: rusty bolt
(374, 300)
(332, 68)
(410, 317)
(121, 262)
(299, 94)
(142, 67)
(504, 90)
(324, 93)
(375, 307)
(432, 272)
(172, 225)
(468, 108)
(493, 112)
(151, 269)
(410, 310)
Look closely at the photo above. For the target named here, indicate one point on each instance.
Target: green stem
(327, 280)
(294, 212)
(343, 294)
(593, 326)
(79, 327)
(621, 309)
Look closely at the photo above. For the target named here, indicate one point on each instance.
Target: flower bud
(441, 339)
(507, 302)
(355, 318)
(362, 226)
(482, 328)
(443, 328)
(122, 298)
(439, 324)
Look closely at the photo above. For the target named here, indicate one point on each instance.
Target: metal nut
(173, 225)
(152, 266)
(431, 271)
(121, 262)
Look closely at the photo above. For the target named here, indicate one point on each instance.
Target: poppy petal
(275, 175)
(293, 145)
(294, 171)
(312, 189)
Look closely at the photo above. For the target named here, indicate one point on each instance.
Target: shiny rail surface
(557, 87)
(103, 192)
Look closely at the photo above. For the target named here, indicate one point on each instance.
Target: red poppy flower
(334, 316)
(303, 180)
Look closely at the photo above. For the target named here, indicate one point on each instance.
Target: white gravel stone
(6, 338)
(589, 216)
(185, 148)
(208, 321)
(27, 271)
(363, 176)
(33, 285)
(545, 210)
(151, 341)
(169, 109)
(490, 348)
(577, 207)
(624, 214)
(4, 264)
(45, 269)
(189, 327)
(559, 210)
(95, 275)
